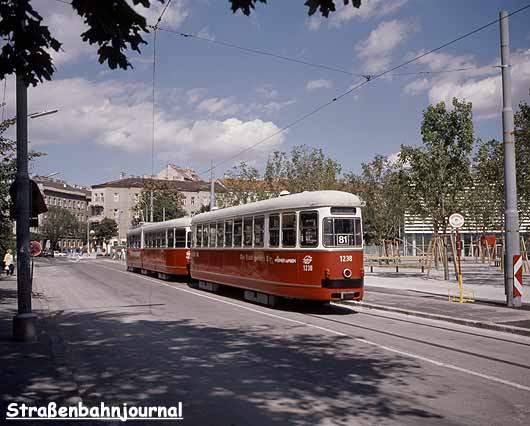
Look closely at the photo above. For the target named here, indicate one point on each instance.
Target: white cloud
(417, 86)
(205, 33)
(111, 114)
(481, 86)
(376, 49)
(195, 95)
(174, 16)
(219, 106)
(345, 13)
(319, 84)
(266, 91)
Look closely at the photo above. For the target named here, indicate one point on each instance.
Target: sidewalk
(31, 373)
(412, 293)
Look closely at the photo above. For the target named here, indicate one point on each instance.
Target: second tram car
(304, 246)
(161, 247)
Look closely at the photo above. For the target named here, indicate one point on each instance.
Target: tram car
(162, 248)
(307, 245)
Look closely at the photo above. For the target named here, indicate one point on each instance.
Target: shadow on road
(241, 374)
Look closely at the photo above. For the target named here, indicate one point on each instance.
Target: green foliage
(244, 185)
(105, 230)
(167, 202)
(381, 187)
(522, 149)
(439, 171)
(114, 26)
(325, 6)
(304, 169)
(8, 169)
(60, 223)
(484, 200)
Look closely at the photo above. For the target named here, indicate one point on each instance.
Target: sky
(212, 102)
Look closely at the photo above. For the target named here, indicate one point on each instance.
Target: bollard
(371, 268)
(397, 268)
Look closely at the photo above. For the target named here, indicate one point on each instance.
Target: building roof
(179, 185)
(61, 186)
(302, 200)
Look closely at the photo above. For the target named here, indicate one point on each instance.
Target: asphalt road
(122, 337)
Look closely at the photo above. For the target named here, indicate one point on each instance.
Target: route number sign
(456, 220)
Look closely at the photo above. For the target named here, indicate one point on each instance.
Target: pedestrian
(8, 262)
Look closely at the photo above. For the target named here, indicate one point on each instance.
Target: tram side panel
(167, 261)
(134, 258)
(318, 275)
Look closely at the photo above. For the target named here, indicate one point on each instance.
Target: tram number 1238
(346, 258)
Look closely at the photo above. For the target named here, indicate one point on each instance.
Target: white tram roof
(302, 200)
(181, 222)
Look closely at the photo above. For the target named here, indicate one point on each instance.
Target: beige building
(117, 199)
(74, 198)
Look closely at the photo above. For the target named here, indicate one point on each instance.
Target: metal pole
(212, 188)
(24, 321)
(152, 204)
(511, 222)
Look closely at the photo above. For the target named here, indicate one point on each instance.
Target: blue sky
(212, 101)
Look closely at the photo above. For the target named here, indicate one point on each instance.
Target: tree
(380, 186)
(439, 171)
(244, 185)
(8, 169)
(304, 169)
(484, 201)
(113, 25)
(167, 202)
(105, 230)
(522, 151)
(59, 223)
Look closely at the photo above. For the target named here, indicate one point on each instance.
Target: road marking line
(359, 339)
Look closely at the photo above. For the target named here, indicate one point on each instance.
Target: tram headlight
(347, 273)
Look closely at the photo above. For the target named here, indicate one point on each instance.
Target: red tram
(304, 246)
(162, 248)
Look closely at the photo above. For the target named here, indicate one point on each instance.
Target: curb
(461, 321)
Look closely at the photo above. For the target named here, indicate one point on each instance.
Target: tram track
(342, 328)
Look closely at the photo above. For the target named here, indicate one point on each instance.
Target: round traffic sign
(35, 248)
(456, 220)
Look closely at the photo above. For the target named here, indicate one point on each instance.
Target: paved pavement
(481, 281)
(119, 337)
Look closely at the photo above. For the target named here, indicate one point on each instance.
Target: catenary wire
(366, 81)
(298, 61)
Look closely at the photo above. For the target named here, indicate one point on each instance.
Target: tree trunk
(445, 259)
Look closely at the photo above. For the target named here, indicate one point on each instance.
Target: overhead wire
(366, 81)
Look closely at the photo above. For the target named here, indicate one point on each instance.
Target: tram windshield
(342, 232)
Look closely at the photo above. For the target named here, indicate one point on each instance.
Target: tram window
(163, 236)
(198, 237)
(228, 233)
(188, 239)
(220, 234)
(171, 238)
(213, 235)
(238, 228)
(180, 238)
(342, 232)
(288, 229)
(247, 232)
(309, 229)
(274, 230)
(259, 224)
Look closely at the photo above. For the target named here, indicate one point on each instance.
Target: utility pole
(152, 204)
(24, 321)
(511, 216)
(212, 188)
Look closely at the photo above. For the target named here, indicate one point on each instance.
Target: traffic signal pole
(511, 216)
(24, 321)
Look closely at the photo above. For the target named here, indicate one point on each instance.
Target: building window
(116, 213)
(116, 197)
(192, 201)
